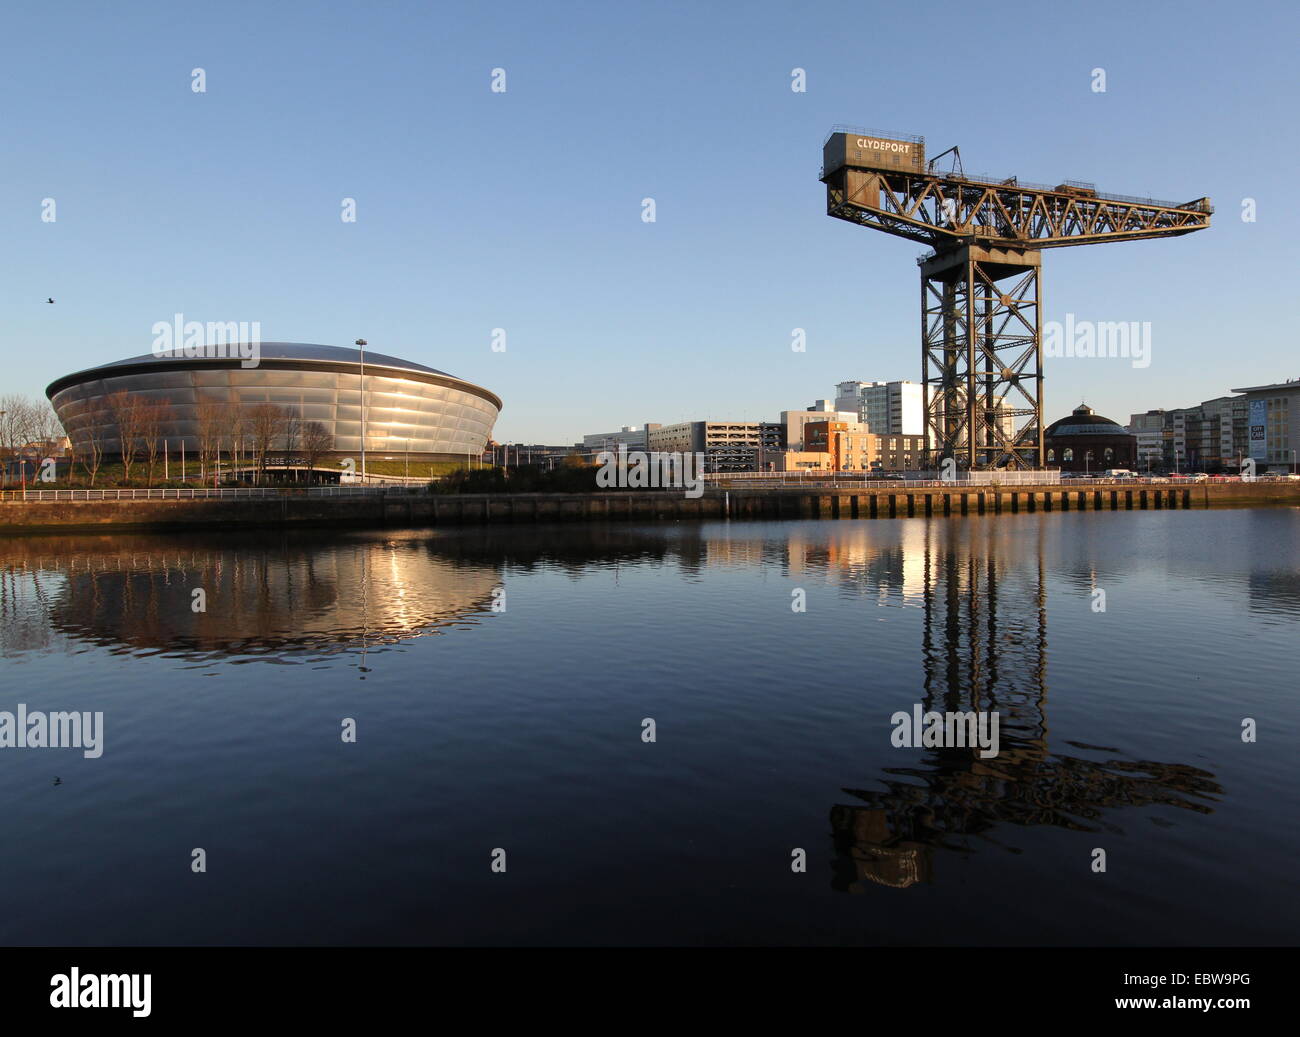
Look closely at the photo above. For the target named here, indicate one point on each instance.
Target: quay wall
(18, 516)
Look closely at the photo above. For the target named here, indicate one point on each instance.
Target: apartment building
(1211, 436)
(1273, 423)
(884, 407)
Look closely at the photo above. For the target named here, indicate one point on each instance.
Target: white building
(887, 408)
(1149, 429)
(848, 394)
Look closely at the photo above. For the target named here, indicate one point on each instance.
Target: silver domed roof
(298, 351)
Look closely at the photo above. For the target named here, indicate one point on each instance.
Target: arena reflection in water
(275, 596)
(982, 592)
(284, 599)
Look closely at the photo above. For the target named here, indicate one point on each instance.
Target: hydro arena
(410, 409)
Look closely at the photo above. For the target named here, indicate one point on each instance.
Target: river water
(505, 682)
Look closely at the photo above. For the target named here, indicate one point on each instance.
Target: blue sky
(478, 210)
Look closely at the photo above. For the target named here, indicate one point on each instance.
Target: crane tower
(981, 285)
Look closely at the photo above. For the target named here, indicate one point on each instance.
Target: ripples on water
(481, 727)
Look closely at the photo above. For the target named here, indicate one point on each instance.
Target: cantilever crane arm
(940, 211)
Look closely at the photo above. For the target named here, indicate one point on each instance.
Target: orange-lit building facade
(845, 446)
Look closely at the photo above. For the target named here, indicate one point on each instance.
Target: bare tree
(316, 440)
(89, 443)
(128, 415)
(237, 417)
(266, 425)
(153, 419)
(29, 430)
(46, 428)
(16, 414)
(292, 434)
(47, 435)
(211, 427)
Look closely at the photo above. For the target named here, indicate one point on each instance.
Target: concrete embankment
(792, 502)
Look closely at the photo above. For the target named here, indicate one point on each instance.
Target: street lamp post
(361, 343)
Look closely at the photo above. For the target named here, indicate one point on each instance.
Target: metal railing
(977, 477)
(854, 480)
(210, 493)
(862, 131)
(715, 484)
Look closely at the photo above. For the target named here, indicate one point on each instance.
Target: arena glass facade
(409, 408)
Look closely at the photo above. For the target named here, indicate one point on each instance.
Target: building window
(1051, 455)
(1109, 454)
(1068, 455)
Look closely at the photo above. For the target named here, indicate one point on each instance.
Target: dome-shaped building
(1087, 442)
(408, 408)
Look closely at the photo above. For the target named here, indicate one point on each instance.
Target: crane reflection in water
(984, 648)
(980, 587)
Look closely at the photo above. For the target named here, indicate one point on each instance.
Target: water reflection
(285, 599)
(984, 648)
(981, 589)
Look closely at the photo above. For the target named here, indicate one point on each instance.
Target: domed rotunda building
(1087, 442)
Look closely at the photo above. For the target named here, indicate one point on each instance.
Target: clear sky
(522, 210)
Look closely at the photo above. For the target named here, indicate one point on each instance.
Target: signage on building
(1257, 425)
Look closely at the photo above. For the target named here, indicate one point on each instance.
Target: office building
(884, 407)
(630, 436)
(794, 422)
(1273, 423)
(847, 446)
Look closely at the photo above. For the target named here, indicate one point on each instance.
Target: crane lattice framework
(981, 286)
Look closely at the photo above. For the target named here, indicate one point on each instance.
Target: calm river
(504, 684)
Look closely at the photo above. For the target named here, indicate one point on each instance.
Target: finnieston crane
(981, 286)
